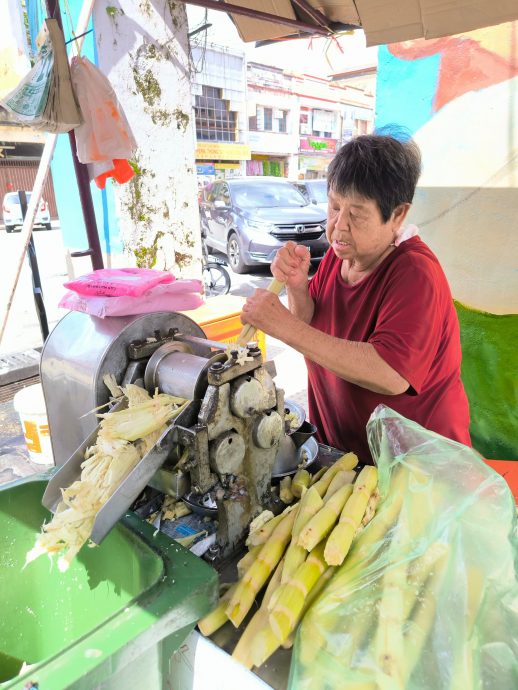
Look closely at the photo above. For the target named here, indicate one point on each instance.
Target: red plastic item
(509, 471)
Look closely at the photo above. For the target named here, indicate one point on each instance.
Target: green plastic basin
(115, 617)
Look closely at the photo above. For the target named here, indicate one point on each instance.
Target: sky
(319, 57)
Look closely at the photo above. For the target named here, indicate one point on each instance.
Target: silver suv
(250, 218)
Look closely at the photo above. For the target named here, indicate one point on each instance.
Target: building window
(361, 127)
(323, 123)
(268, 119)
(214, 119)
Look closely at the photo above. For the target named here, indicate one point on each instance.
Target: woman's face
(355, 228)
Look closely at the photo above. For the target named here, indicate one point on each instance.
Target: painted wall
(458, 97)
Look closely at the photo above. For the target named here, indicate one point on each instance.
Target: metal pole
(83, 179)
(36, 280)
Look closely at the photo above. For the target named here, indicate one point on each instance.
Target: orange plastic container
(219, 318)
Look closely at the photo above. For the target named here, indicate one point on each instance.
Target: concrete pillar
(143, 49)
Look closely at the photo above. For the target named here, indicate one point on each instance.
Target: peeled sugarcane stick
(340, 540)
(317, 589)
(340, 479)
(285, 492)
(318, 475)
(346, 462)
(255, 577)
(310, 504)
(300, 482)
(289, 605)
(423, 615)
(258, 622)
(248, 331)
(322, 523)
(265, 642)
(364, 550)
(260, 536)
(371, 508)
(244, 563)
(216, 618)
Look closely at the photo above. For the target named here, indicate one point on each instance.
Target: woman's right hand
(291, 265)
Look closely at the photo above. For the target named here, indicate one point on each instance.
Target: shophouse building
(219, 103)
(273, 116)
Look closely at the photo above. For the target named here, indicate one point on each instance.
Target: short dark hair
(377, 167)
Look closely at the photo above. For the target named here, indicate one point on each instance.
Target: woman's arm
(358, 363)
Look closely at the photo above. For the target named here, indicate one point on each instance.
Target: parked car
(315, 191)
(250, 218)
(12, 212)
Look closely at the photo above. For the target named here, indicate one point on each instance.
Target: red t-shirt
(405, 310)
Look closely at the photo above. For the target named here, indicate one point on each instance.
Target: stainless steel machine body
(232, 428)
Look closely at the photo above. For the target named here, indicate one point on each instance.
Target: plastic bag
(105, 139)
(116, 282)
(427, 599)
(178, 296)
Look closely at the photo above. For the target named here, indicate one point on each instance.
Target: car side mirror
(218, 203)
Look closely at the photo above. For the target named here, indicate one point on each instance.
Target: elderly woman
(376, 323)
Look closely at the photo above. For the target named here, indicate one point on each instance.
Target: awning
(383, 21)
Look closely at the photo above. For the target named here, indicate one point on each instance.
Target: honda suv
(249, 219)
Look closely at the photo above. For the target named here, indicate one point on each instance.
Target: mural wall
(458, 97)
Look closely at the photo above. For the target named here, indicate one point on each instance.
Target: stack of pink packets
(126, 291)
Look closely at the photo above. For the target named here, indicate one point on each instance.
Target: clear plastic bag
(427, 599)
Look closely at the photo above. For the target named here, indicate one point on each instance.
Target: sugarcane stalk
(300, 482)
(310, 504)
(346, 462)
(244, 563)
(289, 605)
(285, 492)
(340, 479)
(258, 573)
(322, 523)
(216, 618)
(243, 651)
(315, 477)
(340, 539)
(260, 536)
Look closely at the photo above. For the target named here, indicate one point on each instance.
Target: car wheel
(9, 228)
(235, 255)
(48, 226)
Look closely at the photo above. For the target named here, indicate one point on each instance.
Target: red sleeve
(410, 321)
(324, 267)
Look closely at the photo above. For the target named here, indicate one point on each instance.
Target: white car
(12, 212)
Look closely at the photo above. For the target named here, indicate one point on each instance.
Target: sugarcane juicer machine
(232, 427)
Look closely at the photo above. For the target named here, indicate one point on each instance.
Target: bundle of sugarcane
(393, 601)
(124, 437)
(289, 553)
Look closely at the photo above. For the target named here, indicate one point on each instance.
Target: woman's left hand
(265, 311)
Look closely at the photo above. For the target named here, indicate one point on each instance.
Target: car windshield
(267, 195)
(318, 190)
(13, 197)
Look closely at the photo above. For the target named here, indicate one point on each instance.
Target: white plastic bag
(105, 134)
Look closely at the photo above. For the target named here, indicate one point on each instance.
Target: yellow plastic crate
(219, 318)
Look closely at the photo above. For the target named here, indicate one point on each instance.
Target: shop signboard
(277, 143)
(211, 150)
(318, 144)
(319, 163)
(205, 168)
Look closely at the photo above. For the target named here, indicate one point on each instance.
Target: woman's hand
(291, 265)
(265, 311)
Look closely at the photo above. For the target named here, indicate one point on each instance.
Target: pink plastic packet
(117, 282)
(178, 296)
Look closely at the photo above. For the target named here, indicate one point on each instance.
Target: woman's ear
(399, 215)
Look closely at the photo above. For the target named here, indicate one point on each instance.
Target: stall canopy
(383, 21)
